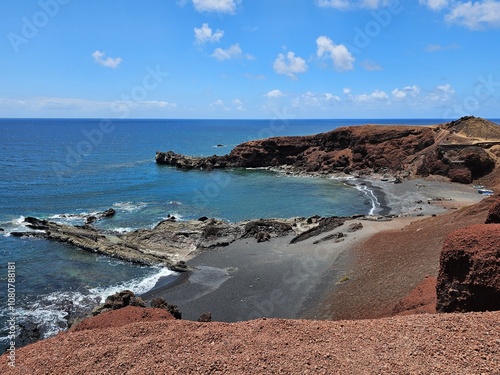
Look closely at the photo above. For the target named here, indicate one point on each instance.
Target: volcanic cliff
(462, 150)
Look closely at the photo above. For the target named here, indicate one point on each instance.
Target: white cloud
(239, 104)
(375, 96)
(340, 55)
(289, 65)
(434, 4)
(400, 94)
(219, 104)
(312, 99)
(477, 15)
(108, 62)
(274, 94)
(205, 34)
(220, 6)
(442, 93)
(233, 52)
(346, 4)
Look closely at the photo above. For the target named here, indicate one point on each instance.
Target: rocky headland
(461, 150)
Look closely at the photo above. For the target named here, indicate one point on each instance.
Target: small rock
(205, 318)
(263, 236)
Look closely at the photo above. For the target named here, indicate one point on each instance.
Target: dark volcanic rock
(469, 274)
(494, 213)
(160, 303)
(254, 228)
(119, 300)
(324, 225)
(205, 318)
(263, 236)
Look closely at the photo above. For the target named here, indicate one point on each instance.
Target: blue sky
(250, 58)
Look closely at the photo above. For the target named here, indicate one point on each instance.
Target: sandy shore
(248, 280)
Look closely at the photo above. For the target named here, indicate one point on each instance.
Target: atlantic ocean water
(64, 169)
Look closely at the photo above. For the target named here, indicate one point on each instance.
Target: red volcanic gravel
(415, 344)
(121, 317)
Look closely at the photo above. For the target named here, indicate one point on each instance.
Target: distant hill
(475, 127)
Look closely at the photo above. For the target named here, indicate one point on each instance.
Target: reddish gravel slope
(416, 344)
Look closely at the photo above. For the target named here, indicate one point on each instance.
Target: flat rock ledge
(171, 243)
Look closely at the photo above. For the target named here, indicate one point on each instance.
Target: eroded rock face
(469, 274)
(494, 214)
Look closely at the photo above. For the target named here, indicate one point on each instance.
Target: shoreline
(248, 280)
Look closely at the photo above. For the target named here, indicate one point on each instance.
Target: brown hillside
(475, 128)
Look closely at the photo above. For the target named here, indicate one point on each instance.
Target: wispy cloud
(434, 4)
(349, 4)
(438, 47)
(339, 54)
(107, 62)
(219, 6)
(36, 105)
(289, 65)
(371, 65)
(205, 34)
(476, 16)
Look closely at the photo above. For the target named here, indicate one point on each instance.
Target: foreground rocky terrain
(419, 344)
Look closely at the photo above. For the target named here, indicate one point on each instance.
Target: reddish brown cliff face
(447, 150)
(494, 213)
(469, 275)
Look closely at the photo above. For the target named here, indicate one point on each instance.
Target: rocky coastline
(381, 252)
(171, 243)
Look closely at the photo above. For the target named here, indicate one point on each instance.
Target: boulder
(118, 301)
(469, 274)
(262, 236)
(494, 213)
(160, 303)
(205, 318)
(460, 175)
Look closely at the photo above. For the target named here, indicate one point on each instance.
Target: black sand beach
(248, 280)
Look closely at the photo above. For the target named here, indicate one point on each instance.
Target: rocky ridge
(455, 150)
(171, 243)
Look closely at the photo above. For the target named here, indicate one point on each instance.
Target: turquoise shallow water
(59, 169)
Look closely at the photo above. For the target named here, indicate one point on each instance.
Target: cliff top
(475, 128)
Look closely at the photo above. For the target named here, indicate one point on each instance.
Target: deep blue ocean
(60, 169)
